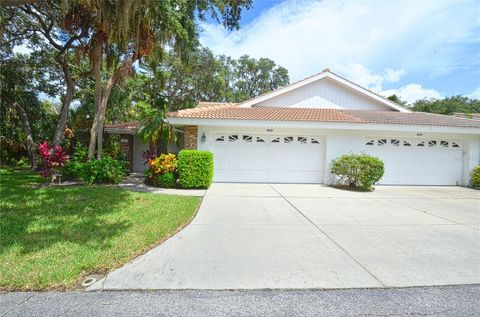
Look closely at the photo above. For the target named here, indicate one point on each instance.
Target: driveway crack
(327, 236)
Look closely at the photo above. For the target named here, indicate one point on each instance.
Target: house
(291, 135)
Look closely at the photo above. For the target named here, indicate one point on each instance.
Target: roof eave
(324, 125)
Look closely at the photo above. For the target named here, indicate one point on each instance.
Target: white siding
(324, 93)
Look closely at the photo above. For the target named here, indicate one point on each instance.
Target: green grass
(51, 237)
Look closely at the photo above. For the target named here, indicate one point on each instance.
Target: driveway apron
(260, 236)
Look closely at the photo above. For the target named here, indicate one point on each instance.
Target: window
(371, 142)
(406, 143)
(455, 145)
(233, 138)
(444, 143)
(220, 139)
(260, 140)
(421, 143)
(302, 139)
(432, 143)
(288, 139)
(276, 140)
(247, 138)
(381, 141)
(314, 141)
(395, 142)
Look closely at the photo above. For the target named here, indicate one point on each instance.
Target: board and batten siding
(325, 94)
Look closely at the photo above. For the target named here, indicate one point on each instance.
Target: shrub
(75, 168)
(162, 170)
(166, 180)
(195, 168)
(53, 157)
(357, 171)
(103, 171)
(476, 177)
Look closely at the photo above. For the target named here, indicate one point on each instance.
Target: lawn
(52, 237)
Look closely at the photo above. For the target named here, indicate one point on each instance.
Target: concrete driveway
(255, 236)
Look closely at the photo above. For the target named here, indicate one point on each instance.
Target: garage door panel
(266, 158)
(422, 162)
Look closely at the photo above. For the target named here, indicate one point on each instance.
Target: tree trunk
(62, 120)
(117, 77)
(28, 132)
(97, 71)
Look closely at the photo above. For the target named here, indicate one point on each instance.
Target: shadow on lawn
(34, 218)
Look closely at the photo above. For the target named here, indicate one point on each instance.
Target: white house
(291, 135)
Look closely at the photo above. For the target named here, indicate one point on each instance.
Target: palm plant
(155, 128)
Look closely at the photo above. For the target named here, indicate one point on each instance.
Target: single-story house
(292, 134)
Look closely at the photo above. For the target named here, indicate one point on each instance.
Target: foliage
(52, 237)
(74, 168)
(476, 177)
(357, 171)
(398, 100)
(93, 171)
(166, 180)
(147, 155)
(195, 168)
(53, 157)
(164, 163)
(448, 105)
(154, 127)
(103, 171)
(162, 170)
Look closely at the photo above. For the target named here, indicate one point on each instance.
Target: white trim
(334, 77)
(322, 125)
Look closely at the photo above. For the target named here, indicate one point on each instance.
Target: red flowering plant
(53, 157)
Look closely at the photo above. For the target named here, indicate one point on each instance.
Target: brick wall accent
(190, 137)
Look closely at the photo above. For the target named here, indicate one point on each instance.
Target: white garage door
(241, 157)
(418, 161)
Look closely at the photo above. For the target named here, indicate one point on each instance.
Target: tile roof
(231, 112)
(413, 118)
(134, 125)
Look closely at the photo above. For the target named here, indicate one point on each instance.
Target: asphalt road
(462, 300)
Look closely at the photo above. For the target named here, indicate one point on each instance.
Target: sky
(415, 49)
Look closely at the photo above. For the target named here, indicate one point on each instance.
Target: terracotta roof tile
(231, 112)
(123, 125)
(268, 114)
(412, 118)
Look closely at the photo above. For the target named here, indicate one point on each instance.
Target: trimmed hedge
(357, 171)
(195, 168)
(476, 177)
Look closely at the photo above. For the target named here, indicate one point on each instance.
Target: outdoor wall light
(204, 138)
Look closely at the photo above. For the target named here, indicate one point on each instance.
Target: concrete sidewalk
(257, 236)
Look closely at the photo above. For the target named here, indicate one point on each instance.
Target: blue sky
(416, 49)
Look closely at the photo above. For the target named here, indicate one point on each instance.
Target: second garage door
(267, 158)
(418, 161)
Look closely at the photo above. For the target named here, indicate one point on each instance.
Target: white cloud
(426, 37)
(367, 78)
(474, 94)
(413, 92)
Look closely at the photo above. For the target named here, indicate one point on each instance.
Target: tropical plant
(53, 158)
(155, 128)
(162, 170)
